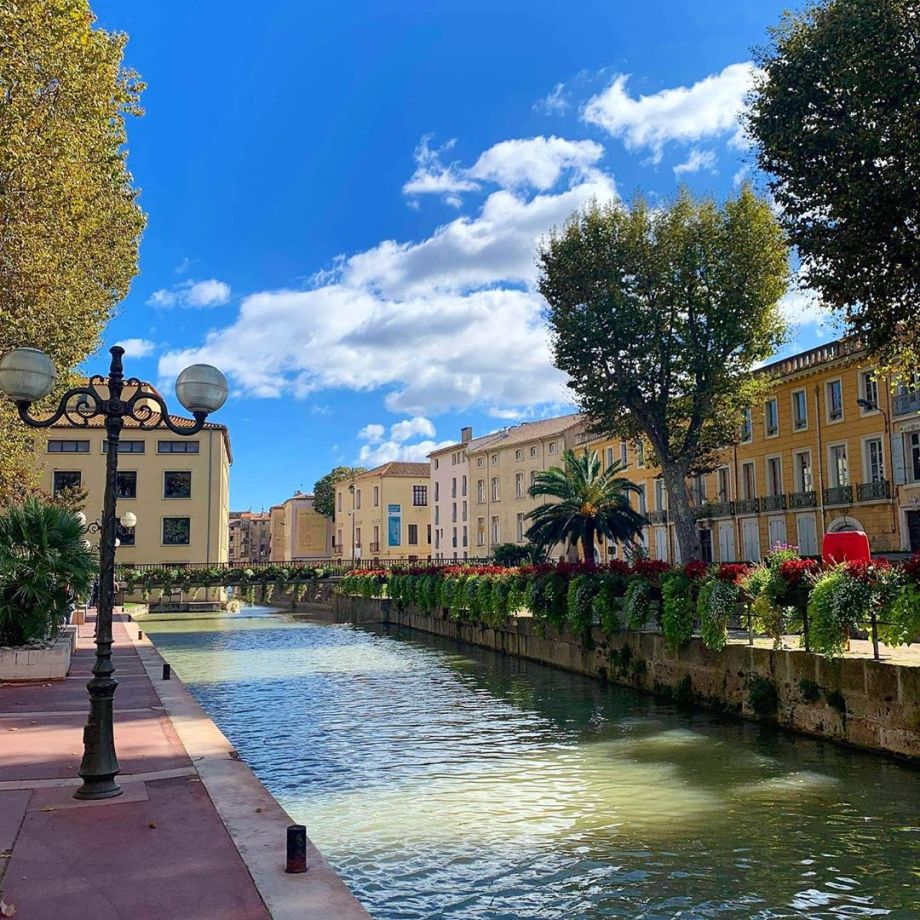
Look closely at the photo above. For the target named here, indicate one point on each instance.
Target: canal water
(441, 780)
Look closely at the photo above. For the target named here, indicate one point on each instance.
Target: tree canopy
(70, 223)
(658, 315)
(835, 113)
(324, 489)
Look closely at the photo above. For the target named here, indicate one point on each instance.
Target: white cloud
(419, 426)
(802, 306)
(137, 348)
(685, 114)
(372, 433)
(392, 450)
(742, 175)
(452, 320)
(398, 446)
(697, 161)
(518, 164)
(194, 294)
(555, 103)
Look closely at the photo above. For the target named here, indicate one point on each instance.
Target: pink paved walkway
(158, 851)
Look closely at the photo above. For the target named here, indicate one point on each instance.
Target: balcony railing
(657, 517)
(808, 499)
(906, 403)
(374, 547)
(747, 506)
(721, 509)
(838, 495)
(773, 503)
(878, 491)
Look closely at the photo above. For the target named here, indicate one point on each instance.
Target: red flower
(696, 569)
(866, 572)
(619, 567)
(732, 572)
(911, 567)
(797, 571)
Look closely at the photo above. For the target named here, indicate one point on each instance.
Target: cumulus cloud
(450, 321)
(519, 164)
(193, 294)
(698, 161)
(372, 433)
(137, 348)
(401, 443)
(554, 103)
(683, 114)
(371, 456)
(802, 306)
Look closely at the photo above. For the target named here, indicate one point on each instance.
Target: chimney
(466, 435)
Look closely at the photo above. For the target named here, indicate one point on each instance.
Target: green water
(442, 780)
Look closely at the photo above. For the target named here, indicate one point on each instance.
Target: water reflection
(446, 781)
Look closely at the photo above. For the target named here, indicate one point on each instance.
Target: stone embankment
(854, 700)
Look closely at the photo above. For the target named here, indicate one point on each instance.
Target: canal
(443, 780)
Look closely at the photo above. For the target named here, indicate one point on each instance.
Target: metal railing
(906, 403)
(808, 499)
(657, 517)
(721, 509)
(838, 495)
(880, 490)
(747, 506)
(773, 503)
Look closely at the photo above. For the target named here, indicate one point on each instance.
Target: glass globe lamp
(201, 388)
(26, 374)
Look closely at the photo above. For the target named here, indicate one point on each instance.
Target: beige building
(178, 487)
(298, 533)
(384, 514)
(250, 537)
(501, 470)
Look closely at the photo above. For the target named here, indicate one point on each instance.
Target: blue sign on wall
(394, 525)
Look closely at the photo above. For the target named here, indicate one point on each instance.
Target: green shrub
(637, 602)
(836, 604)
(715, 605)
(677, 610)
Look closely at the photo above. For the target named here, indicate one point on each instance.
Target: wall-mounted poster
(394, 525)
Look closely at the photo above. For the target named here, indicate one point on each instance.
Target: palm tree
(590, 503)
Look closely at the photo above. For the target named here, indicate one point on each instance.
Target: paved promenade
(194, 835)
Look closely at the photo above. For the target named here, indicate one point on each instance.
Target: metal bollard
(167, 671)
(296, 849)
(140, 634)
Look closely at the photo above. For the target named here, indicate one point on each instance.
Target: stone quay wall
(869, 704)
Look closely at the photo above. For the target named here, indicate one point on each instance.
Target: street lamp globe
(26, 374)
(81, 518)
(128, 519)
(201, 388)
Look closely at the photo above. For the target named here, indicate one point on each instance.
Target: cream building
(450, 507)
(503, 468)
(298, 533)
(250, 536)
(178, 487)
(384, 514)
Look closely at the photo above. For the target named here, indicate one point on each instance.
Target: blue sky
(343, 200)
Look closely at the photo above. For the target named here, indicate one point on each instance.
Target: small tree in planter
(44, 566)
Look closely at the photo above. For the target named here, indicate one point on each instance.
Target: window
(419, 496)
(480, 531)
(66, 479)
(413, 535)
(481, 491)
(480, 461)
(428, 534)
(495, 497)
(771, 418)
(839, 468)
(68, 447)
(338, 501)
(357, 536)
(722, 484)
(437, 514)
(520, 528)
(496, 531)
(747, 426)
(437, 491)
(437, 463)
(453, 542)
(799, 410)
(533, 451)
(466, 541)
(774, 476)
(640, 453)
(609, 456)
(533, 477)
(177, 447)
(463, 510)
(376, 543)
(177, 531)
(834, 401)
(519, 454)
(376, 495)
(518, 485)
(453, 512)
(463, 487)
(494, 459)
(913, 456)
(869, 386)
(641, 500)
(453, 487)
(125, 535)
(661, 495)
(624, 453)
(177, 484)
(126, 447)
(699, 490)
(126, 484)
(875, 461)
(803, 477)
(357, 499)
(748, 480)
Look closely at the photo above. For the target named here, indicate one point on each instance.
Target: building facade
(250, 537)
(177, 487)
(835, 446)
(384, 513)
(298, 532)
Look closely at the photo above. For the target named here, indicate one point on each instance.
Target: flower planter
(24, 663)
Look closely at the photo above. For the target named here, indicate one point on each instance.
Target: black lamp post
(27, 375)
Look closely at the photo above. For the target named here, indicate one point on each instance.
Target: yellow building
(298, 533)
(384, 514)
(250, 537)
(502, 468)
(810, 460)
(178, 487)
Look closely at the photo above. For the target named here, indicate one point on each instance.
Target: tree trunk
(587, 541)
(571, 551)
(681, 513)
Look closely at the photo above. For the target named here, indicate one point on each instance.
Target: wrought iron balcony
(657, 517)
(808, 499)
(838, 495)
(906, 403)
(877, 491)
(747, 506)
(773, 503)
(717, 509)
